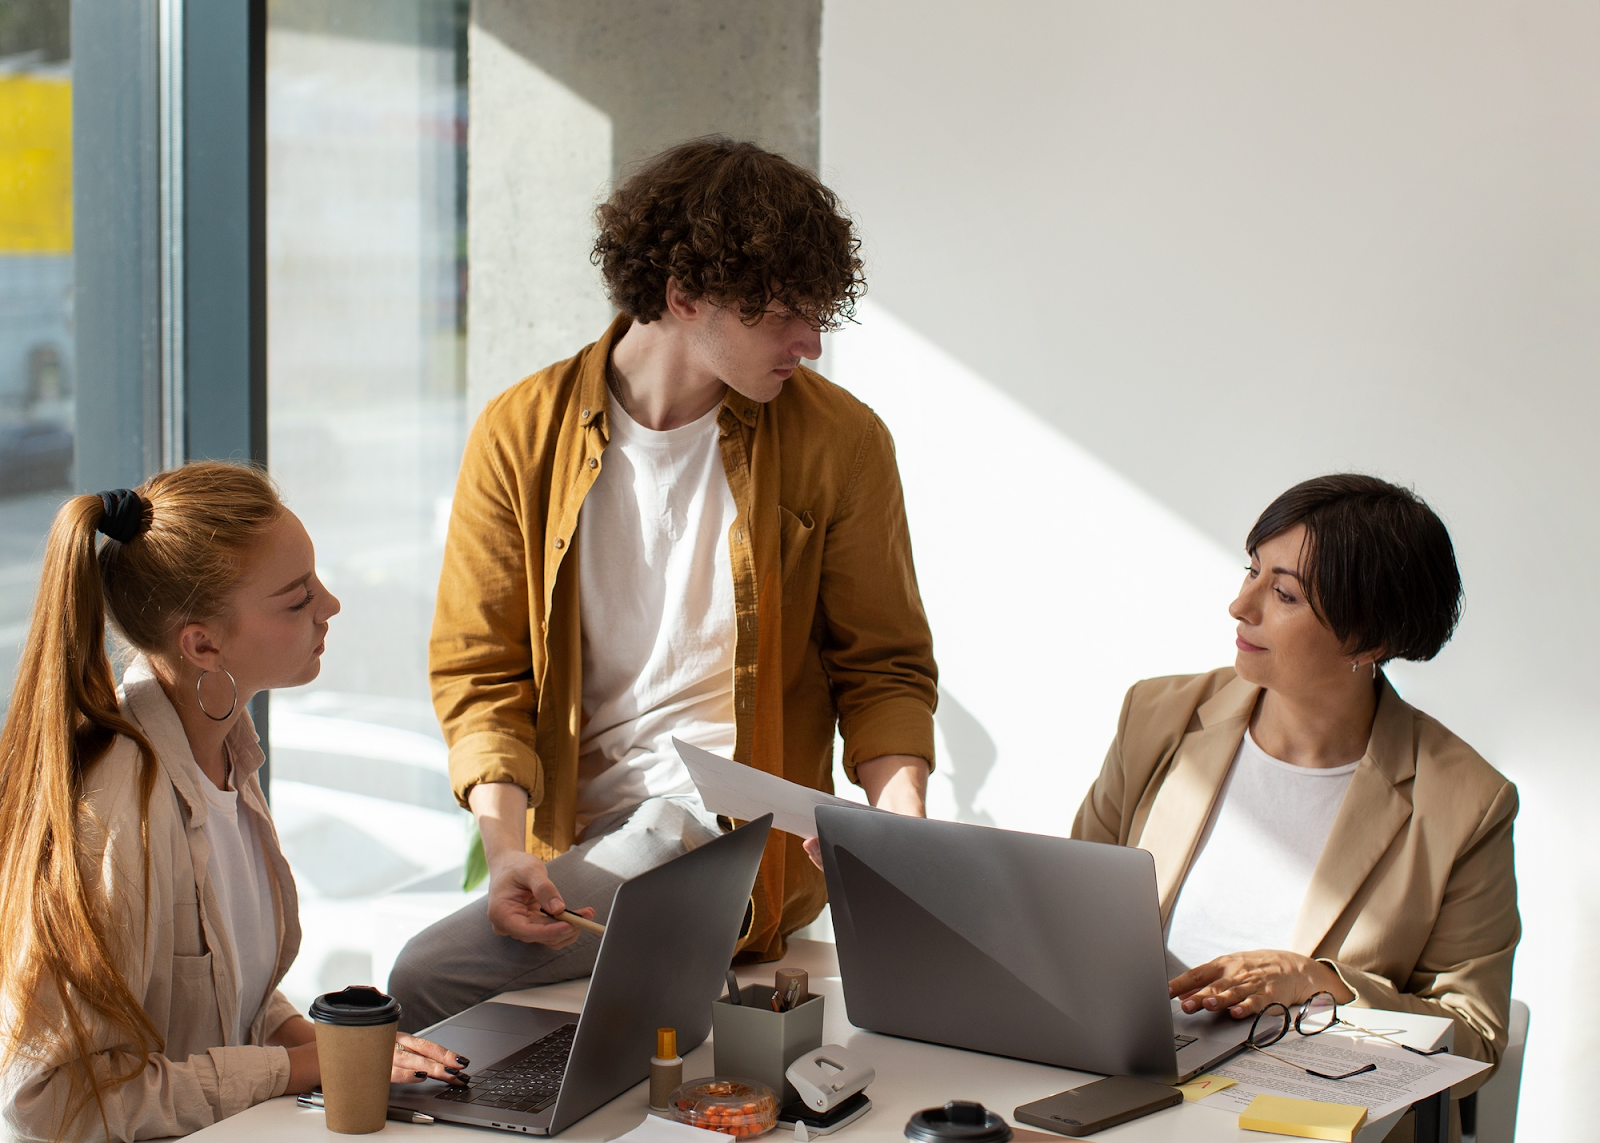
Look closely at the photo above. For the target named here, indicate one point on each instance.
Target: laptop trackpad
(531, 1023)
(1216, 1027)
(479, 1045)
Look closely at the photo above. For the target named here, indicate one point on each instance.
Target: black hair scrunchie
(124, 516)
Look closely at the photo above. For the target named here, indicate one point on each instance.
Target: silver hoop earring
(202, 702)
(1355, 665)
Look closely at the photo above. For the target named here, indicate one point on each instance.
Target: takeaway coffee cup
(958, 1121)
(355, 1049)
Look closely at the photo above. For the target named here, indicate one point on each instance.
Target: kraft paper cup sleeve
(355, 1050)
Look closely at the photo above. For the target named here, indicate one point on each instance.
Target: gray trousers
(459, 961)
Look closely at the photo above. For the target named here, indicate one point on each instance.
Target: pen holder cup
(751, 1041)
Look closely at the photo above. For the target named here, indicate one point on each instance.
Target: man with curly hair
(681, 531)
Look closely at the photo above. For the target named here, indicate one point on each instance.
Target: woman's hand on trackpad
(1242, 984)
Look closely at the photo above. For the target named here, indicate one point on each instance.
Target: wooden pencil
(583, 923)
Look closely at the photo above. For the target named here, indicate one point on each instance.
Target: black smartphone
(1098, 1105)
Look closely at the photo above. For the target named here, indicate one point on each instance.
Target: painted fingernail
(462, 1061)
(453, 1071)
(420, 1075)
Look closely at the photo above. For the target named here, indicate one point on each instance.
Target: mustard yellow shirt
(830, 627)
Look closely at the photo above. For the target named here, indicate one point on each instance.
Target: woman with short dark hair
(1312, 832)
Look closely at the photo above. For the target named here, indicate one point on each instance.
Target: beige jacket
(1414, 902)
(181, 964)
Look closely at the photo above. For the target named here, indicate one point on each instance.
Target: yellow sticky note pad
(1202, 1086)
(1304, 1118)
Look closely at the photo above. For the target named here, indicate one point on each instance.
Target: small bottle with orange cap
(666, 1068)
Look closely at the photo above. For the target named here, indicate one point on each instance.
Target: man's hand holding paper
(745, 793)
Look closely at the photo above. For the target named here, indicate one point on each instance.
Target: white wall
(1137, 268)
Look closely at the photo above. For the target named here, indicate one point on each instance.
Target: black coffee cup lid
(958, 1121)
(358, 1006)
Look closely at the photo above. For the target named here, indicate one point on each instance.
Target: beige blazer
(181, 964)
(1414, 902)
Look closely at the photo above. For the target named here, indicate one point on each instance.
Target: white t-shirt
(1260, 848)
(655, 587)
(238, 874)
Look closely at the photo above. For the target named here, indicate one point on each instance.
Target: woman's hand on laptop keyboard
(1245, 983)
(416, 1060)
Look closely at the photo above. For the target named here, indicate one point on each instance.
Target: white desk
(911, 1076)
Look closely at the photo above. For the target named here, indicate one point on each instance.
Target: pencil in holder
(751, 1041)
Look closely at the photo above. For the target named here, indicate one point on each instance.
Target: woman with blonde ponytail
(146, 911)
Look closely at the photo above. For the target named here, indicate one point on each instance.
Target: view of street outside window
(366, 132)
(36, 405)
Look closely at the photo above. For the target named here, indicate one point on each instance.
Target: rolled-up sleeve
(879, 651)
(480, 654)
(164, 1098)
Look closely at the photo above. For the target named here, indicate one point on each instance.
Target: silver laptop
(662, 961)
(1016, 944)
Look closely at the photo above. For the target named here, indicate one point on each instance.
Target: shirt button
(560, 543)
(586, 414)
(593, 463)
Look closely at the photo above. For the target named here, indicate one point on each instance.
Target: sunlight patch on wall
(1051, 582)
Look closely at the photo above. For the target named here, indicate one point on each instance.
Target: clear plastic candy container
(745, 1108)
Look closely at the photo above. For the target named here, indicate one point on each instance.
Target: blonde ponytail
(197, 523)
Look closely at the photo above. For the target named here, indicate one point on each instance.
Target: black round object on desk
(959, 1121)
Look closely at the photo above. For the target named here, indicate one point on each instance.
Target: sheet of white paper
(656, 1129)
(743, 792)
(1402, 1077)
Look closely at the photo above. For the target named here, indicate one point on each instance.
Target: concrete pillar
(566, 96)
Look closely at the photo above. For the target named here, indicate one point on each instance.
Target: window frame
(170, 286)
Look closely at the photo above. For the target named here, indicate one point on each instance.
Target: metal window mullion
(170, 21)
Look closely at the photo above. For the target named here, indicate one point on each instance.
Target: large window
(366, 411)
(36, 406)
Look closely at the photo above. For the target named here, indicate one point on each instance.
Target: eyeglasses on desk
(1312, 1018)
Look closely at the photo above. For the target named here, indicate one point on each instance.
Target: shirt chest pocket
(795, 533)
(193, 1023)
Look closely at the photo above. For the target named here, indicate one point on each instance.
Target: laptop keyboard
(1179, 1043)
(528, 1081)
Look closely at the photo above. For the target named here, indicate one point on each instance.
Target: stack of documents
(1400, 1080)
